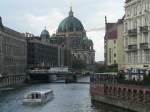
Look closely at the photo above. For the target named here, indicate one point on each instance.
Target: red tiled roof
(111, 31)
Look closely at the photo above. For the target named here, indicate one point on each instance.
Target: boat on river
(38, 97)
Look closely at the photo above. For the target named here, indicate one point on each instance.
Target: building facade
(120, 44)
(70, 43)
(114, 44)
(42, 54)
(137, 34)
(72, 35)
(110, 43)
(12, 56)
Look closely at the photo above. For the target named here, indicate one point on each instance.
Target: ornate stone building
(68, 44)
(137, 34)
(12, 56)
(43, 54)
(72, 35)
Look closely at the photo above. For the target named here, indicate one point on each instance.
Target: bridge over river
(57, 76)
(81, 80)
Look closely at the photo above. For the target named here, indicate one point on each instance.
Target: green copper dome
(70, 24)
(45, 33)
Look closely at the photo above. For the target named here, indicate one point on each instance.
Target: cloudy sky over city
(33, 15)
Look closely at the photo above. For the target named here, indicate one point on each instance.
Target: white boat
(38, 97)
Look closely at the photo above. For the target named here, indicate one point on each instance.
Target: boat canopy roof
(40, 91)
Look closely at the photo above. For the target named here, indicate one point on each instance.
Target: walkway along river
(68, 98)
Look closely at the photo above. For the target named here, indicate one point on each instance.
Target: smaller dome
(45, 33)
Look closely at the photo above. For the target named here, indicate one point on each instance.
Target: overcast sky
(33, 15)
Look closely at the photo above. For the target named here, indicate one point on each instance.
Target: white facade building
(137, 34)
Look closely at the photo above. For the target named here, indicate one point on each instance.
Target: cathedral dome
(44, 33)
(70, 24)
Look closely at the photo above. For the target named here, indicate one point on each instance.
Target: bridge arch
(106, 90)
(110, 90)
(119, 92)
(124, 93)
(141, 96)
(135, 94)
(147, 97)
(114, 91)
(129, 94)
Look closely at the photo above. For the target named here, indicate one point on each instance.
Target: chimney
(1, 24)
(106, 24)
(105, 19)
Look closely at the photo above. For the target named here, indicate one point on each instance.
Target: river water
(68, 98)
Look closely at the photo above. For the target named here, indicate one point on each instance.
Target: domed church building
(72, 35)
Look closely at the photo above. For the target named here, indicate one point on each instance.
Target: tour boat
(38, 97)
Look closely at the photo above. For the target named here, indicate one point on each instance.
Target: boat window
(36, 96)
(32, 96)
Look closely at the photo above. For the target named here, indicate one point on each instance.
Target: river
(68, 98)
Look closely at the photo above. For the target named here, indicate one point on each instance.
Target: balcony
(132, 32)
(144, 46)
(144, 29)
(132, 47)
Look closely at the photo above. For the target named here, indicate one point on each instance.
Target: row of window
(11, 80)
(134, 40)
(137, 8)
(136, 23)
(14, 51)
(134, 57)
(14, 70)
(12, 60)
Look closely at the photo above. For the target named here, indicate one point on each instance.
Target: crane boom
(95, 29)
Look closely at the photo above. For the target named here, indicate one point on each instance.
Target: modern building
(137, 34)
(110, 43)
(12, 56)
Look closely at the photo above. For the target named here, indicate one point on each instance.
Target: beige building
(114, 49)
(120, 45)
(110, 43)
(137, 34)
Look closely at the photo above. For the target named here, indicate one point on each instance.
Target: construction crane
(95, 29)
(92, 29)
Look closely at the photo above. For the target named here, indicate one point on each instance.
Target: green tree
(78, 65)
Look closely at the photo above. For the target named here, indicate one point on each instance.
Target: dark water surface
(68, 98)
